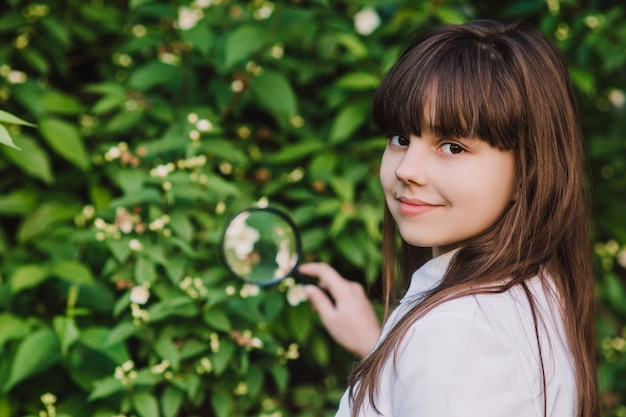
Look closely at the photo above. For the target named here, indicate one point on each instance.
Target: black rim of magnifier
(296, 232)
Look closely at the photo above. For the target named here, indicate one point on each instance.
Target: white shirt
(476, 356)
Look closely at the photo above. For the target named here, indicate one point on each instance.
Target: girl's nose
(412, 167)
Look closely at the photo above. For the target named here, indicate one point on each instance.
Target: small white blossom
(194, 135)
(621, 258)
(188, 18)
(366, 21)
(17, 77)
(160, 171)
(296, 295)
(237, 86)
(249, 290)
(135, 245)
(286, 259)
(204, 125)
(202, 4)
(617, 98)
(240, 238)
(139, 295)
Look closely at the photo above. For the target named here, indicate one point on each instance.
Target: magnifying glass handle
(309, 280)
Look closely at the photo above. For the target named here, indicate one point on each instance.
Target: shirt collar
(429, 275)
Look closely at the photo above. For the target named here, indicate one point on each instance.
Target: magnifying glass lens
(260, 246)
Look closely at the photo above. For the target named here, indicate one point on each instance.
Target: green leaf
(59, 103)
(119, 248)
(145, 195)
(166, 349)
(241, 43)
(176, 306)
(584, 80)
(20, 201)
(145, 404)
(152, 74)
(28, 276)
(9, 118)
(144, 270)
(41, 220)
(33, 159)
(105, 387)
(11, 327)
(36, 353)
(450, 15)
(73, 272)
(124, 121)
(221, 188)
(181, 224)
(222, 357)
(5, 138)
(67, 332)
(120, 333)
(349, 119)
(133, 4)
(66, 141)
(344, 188)
(295, 152)
(299, 321)
(281, 377)
(217, 320)
(272, 92)
(358, 81)
(254, 380)
(221, 404)
(320, 350)
(171, 401)
(57, 32)
(353, 45)
(225, 149)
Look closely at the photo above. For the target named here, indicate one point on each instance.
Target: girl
(484, 165)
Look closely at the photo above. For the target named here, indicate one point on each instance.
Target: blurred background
(155, 121)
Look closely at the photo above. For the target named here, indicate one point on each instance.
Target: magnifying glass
(262, 246)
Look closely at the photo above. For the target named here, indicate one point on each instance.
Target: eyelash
(455, 146)
(396, 140)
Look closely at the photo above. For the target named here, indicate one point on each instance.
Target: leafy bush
(156, 121)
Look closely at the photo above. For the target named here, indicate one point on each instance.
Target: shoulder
(472, 353)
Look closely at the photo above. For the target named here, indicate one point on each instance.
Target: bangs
(463, 87)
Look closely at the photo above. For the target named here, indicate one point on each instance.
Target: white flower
(135, 245)
(139, 295)
(617, 98)
(296, 295)
(366, 21)
(187, 18)
(621, 258)
(249, 290)
(160, 171)
(285, 259)
(240, 237)
(17, 77)
(204, 125)
(203, 4)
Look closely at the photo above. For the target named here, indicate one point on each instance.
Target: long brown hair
(507, 85)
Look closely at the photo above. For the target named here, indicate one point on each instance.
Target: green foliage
(156, 121)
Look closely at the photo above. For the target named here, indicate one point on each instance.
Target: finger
(327, 275)
(320, 301)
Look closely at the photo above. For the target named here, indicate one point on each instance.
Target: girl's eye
(452, 148)
(398, 140)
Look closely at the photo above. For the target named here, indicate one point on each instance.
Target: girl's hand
(351, 321)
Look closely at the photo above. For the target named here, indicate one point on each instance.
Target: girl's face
(444, 191)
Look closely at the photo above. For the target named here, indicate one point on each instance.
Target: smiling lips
(413, 207)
